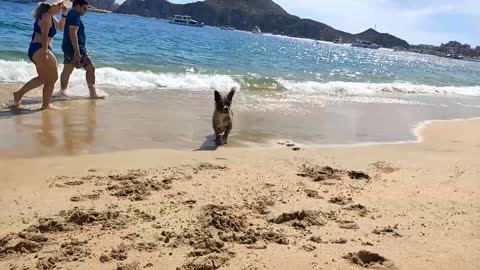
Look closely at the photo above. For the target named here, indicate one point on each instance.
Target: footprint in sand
(290, 145)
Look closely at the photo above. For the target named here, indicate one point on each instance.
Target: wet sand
(397, 206)
(174, 119)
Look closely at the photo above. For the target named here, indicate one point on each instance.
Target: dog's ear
(230, 95)
(218, 97)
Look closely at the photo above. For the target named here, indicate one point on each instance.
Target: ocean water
(288, 87)
(148, 53)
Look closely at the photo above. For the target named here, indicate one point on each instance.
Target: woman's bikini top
(36, 29)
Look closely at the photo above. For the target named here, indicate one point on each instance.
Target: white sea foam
(21, 71)
(361, 88)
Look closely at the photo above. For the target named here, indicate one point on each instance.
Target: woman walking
(40, 51)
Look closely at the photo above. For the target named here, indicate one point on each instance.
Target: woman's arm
(60, 25)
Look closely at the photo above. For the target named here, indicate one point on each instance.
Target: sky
(417, 21)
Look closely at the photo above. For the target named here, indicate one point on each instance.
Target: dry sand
(251, 208)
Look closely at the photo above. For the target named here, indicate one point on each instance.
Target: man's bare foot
(64, 94)
(94, 93)
(51, 107)
(17, 100)
(97, 96)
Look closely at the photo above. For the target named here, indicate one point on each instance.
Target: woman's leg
(32, 84)
(51, 78)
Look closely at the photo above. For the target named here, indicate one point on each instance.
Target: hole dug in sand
(369, 259)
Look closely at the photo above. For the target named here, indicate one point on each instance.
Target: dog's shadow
(209, 144)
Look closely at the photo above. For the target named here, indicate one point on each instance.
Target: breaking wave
(21, 71)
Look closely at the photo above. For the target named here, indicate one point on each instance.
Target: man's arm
(74, 39)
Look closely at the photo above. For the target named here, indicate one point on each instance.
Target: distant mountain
(246, 14)
(384, 39)
(104, 4)
(253, 7)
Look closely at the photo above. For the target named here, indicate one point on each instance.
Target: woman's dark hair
(80, 2)
(40, 10)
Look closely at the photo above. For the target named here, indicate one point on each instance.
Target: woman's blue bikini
(35, 46)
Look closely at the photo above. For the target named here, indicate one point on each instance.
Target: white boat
(185, 20)
(365, 44)
(338, 40)
(227, 27)
(399, 49)
(456, 56)
(257, 30)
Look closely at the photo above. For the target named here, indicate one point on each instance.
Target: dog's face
(223, 104)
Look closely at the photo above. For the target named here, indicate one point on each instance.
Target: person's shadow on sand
(209, 144)
(9, 111)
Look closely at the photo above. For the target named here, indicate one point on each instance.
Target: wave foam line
(21, 71)
(360, 88)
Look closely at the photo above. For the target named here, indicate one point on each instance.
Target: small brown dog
(223, 116)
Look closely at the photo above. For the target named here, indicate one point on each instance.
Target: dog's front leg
(218, 139)
(225, 135)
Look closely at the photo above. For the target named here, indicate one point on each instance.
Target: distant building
(447, 49)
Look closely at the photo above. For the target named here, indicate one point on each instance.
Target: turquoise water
(147, 53)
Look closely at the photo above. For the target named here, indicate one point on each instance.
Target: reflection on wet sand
(70, 131)
(182, 120)
(79, 136)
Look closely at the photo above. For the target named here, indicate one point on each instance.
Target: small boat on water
(98, 10)
(185, 20)
(227, 27)
(257, 30)
(338, 40)
(365, 44)
(455, 56)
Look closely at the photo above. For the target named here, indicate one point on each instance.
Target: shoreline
(416, 131)
(424, 124)
(181, 120)
(280, 143)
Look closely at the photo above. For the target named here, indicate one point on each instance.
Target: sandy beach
(348, 151)
(396, 206)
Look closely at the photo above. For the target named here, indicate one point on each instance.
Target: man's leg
(65, 77)
(90, 76)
